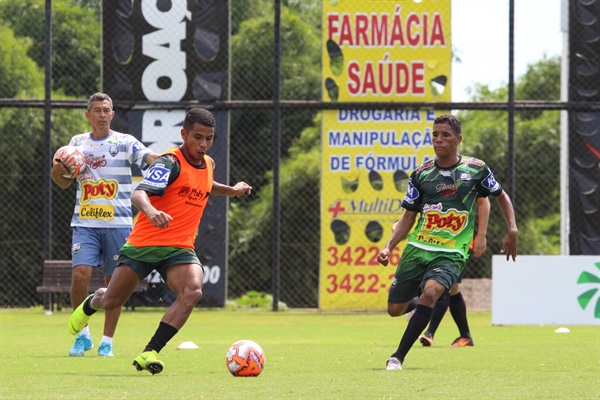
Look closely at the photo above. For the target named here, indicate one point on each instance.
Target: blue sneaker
(105, 350)
(81, 345)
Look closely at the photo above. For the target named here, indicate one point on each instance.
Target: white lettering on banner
(164, 45)
(212, 274)
(161, 129)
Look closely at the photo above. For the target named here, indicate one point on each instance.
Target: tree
(537, 143)
(19, 75)
(252, 79)
(250, 238)
(75, 36)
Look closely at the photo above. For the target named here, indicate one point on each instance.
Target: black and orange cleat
(463, 342)
(426, 339)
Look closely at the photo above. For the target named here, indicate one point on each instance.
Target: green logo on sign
(585, 298)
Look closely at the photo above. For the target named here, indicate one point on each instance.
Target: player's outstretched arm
(232, 191)
(401, 229)
(509, 246)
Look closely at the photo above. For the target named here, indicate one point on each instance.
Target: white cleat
(393, 364)
(409, 315)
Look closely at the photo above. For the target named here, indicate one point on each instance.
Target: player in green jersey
(442, 193)
(455, 300)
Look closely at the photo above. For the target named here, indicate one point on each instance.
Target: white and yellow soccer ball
(72, 159)
(245, 358)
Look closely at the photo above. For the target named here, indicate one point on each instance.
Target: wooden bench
(57, 280)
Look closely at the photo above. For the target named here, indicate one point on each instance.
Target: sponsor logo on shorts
(76, 248)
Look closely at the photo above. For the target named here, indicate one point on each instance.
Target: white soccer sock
(86, 331)
(106, 339)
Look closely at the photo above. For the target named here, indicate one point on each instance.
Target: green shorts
(417, 266)
(145, 259)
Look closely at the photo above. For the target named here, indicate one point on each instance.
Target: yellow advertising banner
(376, 51)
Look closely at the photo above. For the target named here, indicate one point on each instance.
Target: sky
(480, 40)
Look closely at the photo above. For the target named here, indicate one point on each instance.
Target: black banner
(169, 51)
(584, 127)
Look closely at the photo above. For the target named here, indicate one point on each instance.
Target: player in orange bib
(171, 200)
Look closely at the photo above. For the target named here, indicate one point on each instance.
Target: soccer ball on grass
(245, 358)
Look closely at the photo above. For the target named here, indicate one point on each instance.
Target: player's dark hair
(99, 97)
(200, 116)
(450, 120)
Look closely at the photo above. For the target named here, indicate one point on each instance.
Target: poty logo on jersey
(157, 176)
(451, 221)
(412, 193)
(101, 189)
(490, 183)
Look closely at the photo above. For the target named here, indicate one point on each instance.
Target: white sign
(562, 290)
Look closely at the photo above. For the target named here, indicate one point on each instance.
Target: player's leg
(439, 310)
(404, 290)
(110, 298)
(85, 253)
(184, 275)
(112, 241)
(440, 273)
(458, 309)
(419, 320)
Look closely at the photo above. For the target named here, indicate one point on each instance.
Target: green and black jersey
(444, 197)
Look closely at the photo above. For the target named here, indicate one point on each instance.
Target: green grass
(310, 355)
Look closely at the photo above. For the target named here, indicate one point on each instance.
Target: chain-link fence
(515, 128)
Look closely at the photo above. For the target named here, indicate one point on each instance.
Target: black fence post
(47, 230)
(276, 154)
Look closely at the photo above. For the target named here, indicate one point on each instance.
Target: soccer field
(310, 355)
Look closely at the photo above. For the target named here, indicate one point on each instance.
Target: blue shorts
(98, 246)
